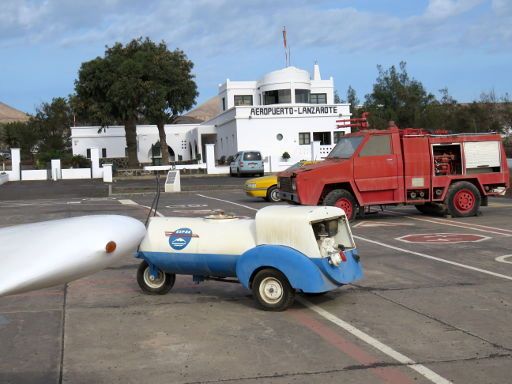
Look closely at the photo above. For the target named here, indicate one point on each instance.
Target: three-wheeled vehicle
(284, 250)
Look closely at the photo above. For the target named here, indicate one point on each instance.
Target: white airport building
(285, 111)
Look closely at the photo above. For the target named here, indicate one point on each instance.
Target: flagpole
(285, 48)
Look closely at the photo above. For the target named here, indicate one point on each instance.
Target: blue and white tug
(284, 250)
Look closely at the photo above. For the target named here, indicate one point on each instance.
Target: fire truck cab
(438, 173)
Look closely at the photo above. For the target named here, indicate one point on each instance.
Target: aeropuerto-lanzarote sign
(294, 110)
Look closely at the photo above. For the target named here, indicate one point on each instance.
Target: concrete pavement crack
(466, 332)
(344, 369)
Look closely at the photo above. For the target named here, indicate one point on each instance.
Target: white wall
(261, 134)
(4, 178)
(177, 137)
(14, 173)
(37, 174)
(112, 138)
(76, 173)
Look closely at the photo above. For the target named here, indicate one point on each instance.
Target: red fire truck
(436, 172)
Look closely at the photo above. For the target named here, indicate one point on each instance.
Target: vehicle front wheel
(272, 291)
(158, 286)
(463, 199)
(273, 195)
(343, 199)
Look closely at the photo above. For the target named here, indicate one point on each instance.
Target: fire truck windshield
(345, 148)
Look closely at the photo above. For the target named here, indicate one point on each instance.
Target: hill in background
(9, 114)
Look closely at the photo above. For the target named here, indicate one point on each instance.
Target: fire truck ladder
(356, 122)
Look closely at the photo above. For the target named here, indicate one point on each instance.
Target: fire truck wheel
(343, 199)
(463, 199)
(272, 291)
(159, 286)
(273, 195)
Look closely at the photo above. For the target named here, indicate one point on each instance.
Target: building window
(304, 138)
(378, 145)
(103, 152)
(223, 103)
(88, 153)
(318, 98)
(279, 96)
(243, 100)
(323, 137)
(302, 96)
(337, 135)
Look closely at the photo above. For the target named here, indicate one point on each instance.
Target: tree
(352, 99)
(172, 88)
(20, 135)
(337, 99)
(52, 123)
(125, 86)
(397, 97)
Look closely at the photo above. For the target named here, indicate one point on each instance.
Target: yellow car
(266, 186)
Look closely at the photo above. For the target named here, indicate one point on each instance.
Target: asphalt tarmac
(430, 309)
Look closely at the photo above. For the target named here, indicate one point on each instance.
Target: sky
(464, 45)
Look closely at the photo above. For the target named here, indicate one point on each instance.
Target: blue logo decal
(180, 238)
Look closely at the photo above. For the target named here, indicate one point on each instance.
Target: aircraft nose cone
(125, 232)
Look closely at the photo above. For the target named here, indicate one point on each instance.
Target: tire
(159, 286)
(230, 172)
(463, 199)
(343, 199)
(272, 291)
(273, 194)
(238, 172)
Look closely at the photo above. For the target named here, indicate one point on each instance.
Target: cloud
(214, 27)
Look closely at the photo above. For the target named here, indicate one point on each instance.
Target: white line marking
(127, 202)
(436, 258)
(440, 238)
(501, 259)
(131, 202)
(421, 369)
(455, 224)
(484, 226)
(372, 224)
(227, 201)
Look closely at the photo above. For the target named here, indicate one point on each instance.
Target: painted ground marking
(421, 369)
(366, 224)
(127, 202)
(131, 202)
(227, 201)
(387, 350)
(390, 374)
(442, 238)
(184, 206)
(474, 227)
(485, 271)
(503, 259)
